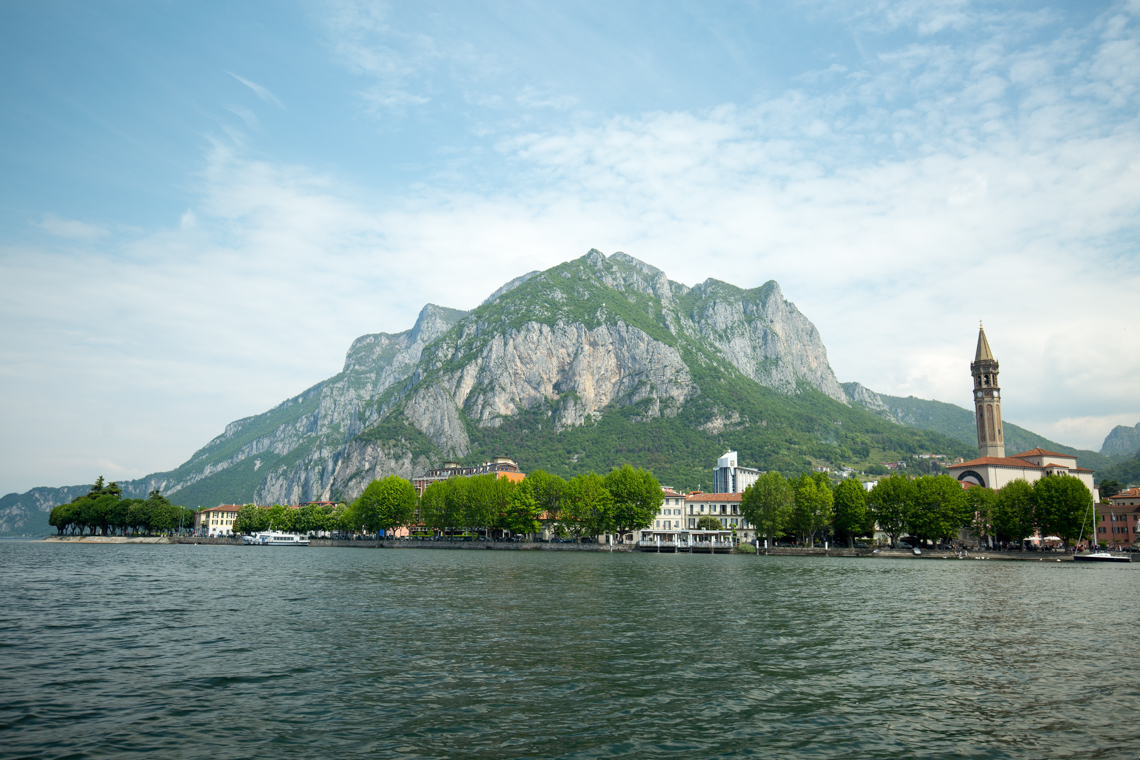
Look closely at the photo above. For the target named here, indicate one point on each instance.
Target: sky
(203, 203)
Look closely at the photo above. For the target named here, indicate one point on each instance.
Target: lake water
(235, 652)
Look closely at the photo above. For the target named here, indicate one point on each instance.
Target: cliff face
(581, 339)
(1122, 442)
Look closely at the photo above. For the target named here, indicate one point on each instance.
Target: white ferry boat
(275, 538)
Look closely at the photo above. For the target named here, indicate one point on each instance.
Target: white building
(730, 478)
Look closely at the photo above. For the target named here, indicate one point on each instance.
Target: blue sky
(204, 203)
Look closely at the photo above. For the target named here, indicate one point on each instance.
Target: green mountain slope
(958, 423)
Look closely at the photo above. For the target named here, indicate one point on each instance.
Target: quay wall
(1015, 556)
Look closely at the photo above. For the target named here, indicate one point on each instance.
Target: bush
(745, 549)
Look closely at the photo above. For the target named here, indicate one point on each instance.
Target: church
(993, 469)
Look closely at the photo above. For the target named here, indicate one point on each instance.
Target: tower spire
(987, 399)
(983, 351)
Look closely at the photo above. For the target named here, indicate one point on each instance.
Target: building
(669, 522)
(993, 469)
(1030, 466)
(504, 467)
(730, 478)
(1128, 498)
(1118, 526)
(987, 400)
(725, 507)
(216, 521)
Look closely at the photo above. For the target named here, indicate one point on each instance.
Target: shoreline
(325, 543)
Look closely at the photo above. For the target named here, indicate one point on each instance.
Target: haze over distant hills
(591, 364)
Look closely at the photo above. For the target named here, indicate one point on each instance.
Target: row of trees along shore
(804, 507)
(104, 511)
(929, 508)
(587, 505)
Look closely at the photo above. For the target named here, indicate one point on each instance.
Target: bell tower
(987, 399)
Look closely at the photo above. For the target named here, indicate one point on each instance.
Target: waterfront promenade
(783, 551)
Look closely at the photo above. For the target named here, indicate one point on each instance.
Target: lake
(236, 652)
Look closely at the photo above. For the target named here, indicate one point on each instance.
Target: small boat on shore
(275, 538)
(1101, 557)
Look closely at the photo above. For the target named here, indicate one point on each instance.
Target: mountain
(588, 365)
(1126, 472)
(1122, 442)
(958, 423)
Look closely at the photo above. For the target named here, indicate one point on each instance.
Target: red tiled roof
(714, 497)
(1043, 453)
(1130, 493)
(998, 461)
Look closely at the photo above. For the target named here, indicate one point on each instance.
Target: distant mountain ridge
(593, 363)
(1122, 442)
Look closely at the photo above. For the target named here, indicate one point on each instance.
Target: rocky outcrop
(764, 336)
(859, 395)
(1122, 441)
(610, 364)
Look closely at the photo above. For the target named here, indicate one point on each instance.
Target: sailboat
(1097, 556)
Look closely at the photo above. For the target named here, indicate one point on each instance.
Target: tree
(1014, 517)
(849, 517)
(939, 508)
(547, 490)
(709, 523)
(889, 501)
(1063, 503)
(980, 504)
(247, 520)
(587, 505)
(812, 510)
(441, 504)
(522, 511)
(484, 501)
(637, 498)
(1109, 488)
(767, 504)
(386, 504)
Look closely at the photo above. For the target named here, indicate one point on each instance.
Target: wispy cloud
(261, 92)
(69, 228)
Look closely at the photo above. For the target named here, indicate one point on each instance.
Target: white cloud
(261, 92)
(69, 228)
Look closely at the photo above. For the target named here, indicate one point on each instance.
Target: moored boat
(1101, 557)
(275, 538)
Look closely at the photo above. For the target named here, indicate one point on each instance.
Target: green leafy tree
(386, 504)
(709, 522)
(980, 504)
(850, 514)
(1109, 488)
(1063, 503)
(812, 508)
(1014, 511)
(522, 509)
(441, 505)
(767, 505)
(247, 520)
(547, 490)
(889, 502)
(483, 501)
(939, 508)
(637, 498)
(587, 506)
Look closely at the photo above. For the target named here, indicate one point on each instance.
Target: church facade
(993, 469)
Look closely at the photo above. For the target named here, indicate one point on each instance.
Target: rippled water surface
(234, 652)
